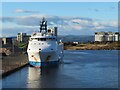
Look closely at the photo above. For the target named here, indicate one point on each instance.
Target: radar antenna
(43, 25)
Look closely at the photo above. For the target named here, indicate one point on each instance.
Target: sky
(71, 18)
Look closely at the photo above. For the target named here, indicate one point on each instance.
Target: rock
(5, 51)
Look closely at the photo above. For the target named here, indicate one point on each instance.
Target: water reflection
(34, 73)
(89, 71)
(39, 77)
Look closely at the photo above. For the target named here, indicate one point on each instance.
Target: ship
(44, 48)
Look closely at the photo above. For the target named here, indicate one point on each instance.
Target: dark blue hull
(42, 64)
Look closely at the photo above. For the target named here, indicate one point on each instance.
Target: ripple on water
(80, 69)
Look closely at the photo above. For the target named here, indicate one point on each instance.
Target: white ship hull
(38, 59)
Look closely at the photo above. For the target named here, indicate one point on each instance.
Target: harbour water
(80, 69)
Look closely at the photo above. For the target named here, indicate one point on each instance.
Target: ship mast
(43, 26)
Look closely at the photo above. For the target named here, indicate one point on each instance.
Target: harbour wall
(13, 63)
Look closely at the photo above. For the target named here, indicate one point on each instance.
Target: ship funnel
(55, 31)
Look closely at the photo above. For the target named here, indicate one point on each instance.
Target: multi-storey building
(22, 37)
(7, 40)
(107, 36)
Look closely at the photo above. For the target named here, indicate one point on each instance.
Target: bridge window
(42, 39)
(34, 38)
(51, 39)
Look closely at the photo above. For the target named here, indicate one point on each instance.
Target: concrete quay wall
(12, 63)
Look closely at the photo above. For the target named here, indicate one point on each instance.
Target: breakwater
(13, 62)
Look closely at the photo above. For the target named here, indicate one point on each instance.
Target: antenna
(43, 25)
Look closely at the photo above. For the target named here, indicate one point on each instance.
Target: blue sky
(78, 18)
(105, 10)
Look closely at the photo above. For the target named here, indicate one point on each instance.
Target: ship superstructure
(43, 47)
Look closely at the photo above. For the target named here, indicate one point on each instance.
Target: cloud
(113, 7)
(6, 19)
(66, 25)
(109, 9)
(12, 31)
(24, 11)
(96, 10)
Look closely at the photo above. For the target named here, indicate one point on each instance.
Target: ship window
(49, 38)
(34, 38)
(42, 39)
(53, 38)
